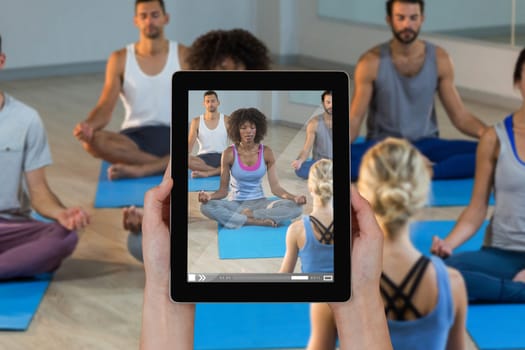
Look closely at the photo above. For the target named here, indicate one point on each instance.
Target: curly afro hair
(243, 115)
(210, 49)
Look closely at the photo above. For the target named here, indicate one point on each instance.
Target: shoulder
(443, 60)
(296, 228)
(117, 59)
(313, 122)
(368, 62)
(25, 113)
(195, 121)
(489, 141)
(183, 52)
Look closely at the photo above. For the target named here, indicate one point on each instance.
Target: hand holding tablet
(258, 187)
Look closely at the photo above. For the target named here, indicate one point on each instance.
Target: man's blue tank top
(429, 332)
(246, 181)
(403, 106)
(315, 256)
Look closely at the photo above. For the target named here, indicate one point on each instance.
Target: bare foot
(132, 219)
(260, 222)
(122, 171)
(248, 212)
(203, 173)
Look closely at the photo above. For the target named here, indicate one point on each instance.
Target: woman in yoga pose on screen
(243, 165)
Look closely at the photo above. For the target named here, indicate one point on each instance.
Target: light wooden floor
(95, 299)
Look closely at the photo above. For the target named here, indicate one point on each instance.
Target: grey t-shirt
(23, 147)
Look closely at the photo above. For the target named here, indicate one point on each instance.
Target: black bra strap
(400, 303)
(327, 233)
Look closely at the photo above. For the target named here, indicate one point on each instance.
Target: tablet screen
(233, 210)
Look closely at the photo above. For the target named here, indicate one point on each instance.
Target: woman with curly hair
(234, 49)
(243, 165)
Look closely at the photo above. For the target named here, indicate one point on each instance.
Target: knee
(135, 245)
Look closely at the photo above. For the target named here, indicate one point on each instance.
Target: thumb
(154, 201)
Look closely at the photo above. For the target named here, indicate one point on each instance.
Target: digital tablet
(229, 220)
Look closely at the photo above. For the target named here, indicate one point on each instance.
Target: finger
(167, 172)
(155, 198)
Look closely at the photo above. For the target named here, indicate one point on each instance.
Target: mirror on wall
(499, 22)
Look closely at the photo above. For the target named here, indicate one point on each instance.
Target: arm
(47, 204)
(290, 257)
(194, 132)
(224, 185)
(311, 128)
(475, 213)
(364, 77)
(361, 321)
(165, 325)
(273, 181)
(456, 335)
(460, 117)
(100, 116)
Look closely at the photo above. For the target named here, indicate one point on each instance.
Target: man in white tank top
(209, 130)
(141, 74)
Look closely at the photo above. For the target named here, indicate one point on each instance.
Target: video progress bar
(259, 277)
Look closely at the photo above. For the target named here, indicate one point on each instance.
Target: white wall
(479, 66)
(56, 32)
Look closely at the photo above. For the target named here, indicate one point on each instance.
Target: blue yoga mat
(19, 301)
(252, 242)
(203, 183)
(421, 233)
(251, 326)
(122, 192)
(497, 326)
(455, 192)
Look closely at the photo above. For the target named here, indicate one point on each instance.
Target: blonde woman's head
(320, 180)
(395, 179)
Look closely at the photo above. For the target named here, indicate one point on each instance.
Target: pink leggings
(30, 247)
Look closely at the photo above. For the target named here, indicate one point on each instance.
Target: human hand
(74, 218)
(132, 219)
(364, 313)
(83, 132)
(440, 247)
(367, 252)
(204, 197)
(296, 164)
(301, 200)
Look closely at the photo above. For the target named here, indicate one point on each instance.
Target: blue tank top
(246, 181)
(403, 106)
(429, 332)
(315, 256)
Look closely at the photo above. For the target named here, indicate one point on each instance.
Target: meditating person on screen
(312, 238)
(496, 272)
(361, 322)
(424, 301)
(318, 140)
(243, 167)
(209, 130)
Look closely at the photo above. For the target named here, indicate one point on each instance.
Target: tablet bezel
(183, 291)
